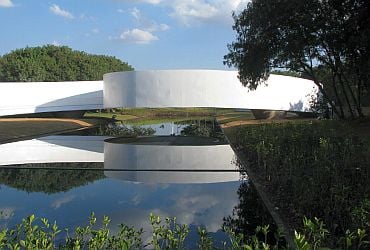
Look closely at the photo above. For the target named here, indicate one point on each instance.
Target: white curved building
(37, 97)
(156, 88)
(203, 88)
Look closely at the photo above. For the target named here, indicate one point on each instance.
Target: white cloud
(136, 13)
(138, 36)
(163, 27)
(63, 200)
(141, 1)
(6, 213)
(186, 11)
(193, 11)
(60, 12)
(145, 28)
(150, 1)
(92, 32)
(83, 16)
(192, 205)
(189, 12)
(147, 24)
(6, 3)
(153, 27)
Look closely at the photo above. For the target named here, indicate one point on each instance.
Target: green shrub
(317, 169)
(40, 234)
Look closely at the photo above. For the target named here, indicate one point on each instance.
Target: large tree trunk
(309, 71)
(334, 85)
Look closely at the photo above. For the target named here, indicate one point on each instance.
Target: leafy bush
(41, 234)
(318, 169)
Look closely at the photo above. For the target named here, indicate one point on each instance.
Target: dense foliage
(327, 41)
(120, 129)
(319, 170)
(207, 128)
(56, 63)
(50, 180)
(34, 233)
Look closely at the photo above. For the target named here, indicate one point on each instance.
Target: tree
(56, 63)
(326, 41)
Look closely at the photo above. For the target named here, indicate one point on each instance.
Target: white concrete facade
(156, 89)
(203, 88)
(37, 97)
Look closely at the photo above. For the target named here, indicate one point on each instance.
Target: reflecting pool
(66, 177)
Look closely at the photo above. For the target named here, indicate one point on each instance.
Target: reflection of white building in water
(156, 89)
(127, 201)
(194, 163)
(132, 158)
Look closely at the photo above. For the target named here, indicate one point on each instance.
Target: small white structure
(156, 88)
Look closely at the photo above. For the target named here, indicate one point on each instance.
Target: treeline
(56, 63)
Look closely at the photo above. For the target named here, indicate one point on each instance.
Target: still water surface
(65, 178)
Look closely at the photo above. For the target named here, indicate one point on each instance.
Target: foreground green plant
(168, 234)
(205, 241)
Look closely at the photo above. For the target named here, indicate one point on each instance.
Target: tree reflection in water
(250, 213)
(50, 180)
(206, 127)
(120, 129)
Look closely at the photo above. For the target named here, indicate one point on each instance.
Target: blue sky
(148, 34)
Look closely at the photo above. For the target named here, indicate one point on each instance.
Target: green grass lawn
(142, 116)
(120, 117)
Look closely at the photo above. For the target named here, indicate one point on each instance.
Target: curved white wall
(203, 88)
(156, 89)
(36, 97)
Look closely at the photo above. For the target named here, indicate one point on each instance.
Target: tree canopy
(56, 63)
(327, 41)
